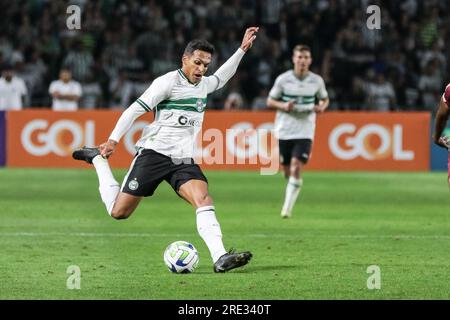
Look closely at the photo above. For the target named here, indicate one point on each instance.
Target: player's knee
(121, 213)
(202, 200)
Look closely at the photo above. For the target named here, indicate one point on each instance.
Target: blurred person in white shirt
(65, 92)
(12, 90)
(381, 95)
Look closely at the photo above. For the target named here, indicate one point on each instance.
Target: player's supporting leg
(196, 193)
(293, 187)
(118, 204)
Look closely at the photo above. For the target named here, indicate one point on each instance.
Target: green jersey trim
(299, 99)
(184, 76)
(143, 105)
(191, 104)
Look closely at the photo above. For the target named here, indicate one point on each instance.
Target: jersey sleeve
(225, 72)
(126, 120)
(322, 93)
(212, 83)
(78, 91)
(277, 90)
(158, 91)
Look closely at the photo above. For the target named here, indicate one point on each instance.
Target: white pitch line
(249, 235)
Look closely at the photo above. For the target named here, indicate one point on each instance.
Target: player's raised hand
(443, 142)
(107, 148)
(249, 37)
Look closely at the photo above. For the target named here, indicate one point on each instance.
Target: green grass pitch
(342, 224)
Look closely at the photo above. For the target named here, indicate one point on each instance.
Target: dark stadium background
(133, 41)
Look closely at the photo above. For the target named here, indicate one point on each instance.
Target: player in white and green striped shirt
(165, 149)
(294, 96)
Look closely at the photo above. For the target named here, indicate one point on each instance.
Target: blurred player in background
(440, 124)
(166, 147)
(294, 96)
(441, 119)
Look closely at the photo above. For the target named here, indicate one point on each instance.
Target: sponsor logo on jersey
(185, 121)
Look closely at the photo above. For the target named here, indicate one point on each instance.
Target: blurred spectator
(92, 93)
(65, 92)
(136, 37)
(381, 95)
(12, 90)
(430, 85)
(260, 101)
(79, 62)
(234, 101)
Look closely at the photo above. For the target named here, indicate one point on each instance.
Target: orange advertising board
(229, 140)
(373, 141)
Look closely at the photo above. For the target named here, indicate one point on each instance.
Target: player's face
(65, 75)
(302, 60)
(196, 65)
(8, 74)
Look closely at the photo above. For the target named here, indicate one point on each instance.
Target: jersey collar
(301, 79)
(184, 76)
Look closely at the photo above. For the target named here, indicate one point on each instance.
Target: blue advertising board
(438, 155)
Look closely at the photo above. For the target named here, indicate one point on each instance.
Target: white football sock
(108, 186)
(292, 191)
(209, 229)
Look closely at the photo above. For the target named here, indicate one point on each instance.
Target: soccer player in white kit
(294, 96)
(166, 147)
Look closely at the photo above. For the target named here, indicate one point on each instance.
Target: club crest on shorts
(200, 105)
(133, 185)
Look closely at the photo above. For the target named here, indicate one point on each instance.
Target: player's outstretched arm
(440, 124)
(249, 37)
(122, 126)
(157, 92)
(228, 69)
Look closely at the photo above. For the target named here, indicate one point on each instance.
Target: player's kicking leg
(119, 205)
(196, 193)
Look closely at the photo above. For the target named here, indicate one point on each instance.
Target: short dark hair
(199, 44)
(301, 47)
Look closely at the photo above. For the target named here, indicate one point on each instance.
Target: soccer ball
(181, 257)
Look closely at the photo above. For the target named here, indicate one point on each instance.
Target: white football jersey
(300, 123)
(72, 87)
(178, 116)
(179, 107)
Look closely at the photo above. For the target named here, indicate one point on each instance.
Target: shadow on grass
(252, 269)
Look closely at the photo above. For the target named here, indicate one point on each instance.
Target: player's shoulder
(286, 75)
(446, 95)
(56, 83)
(315, 77)
(169, 76)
